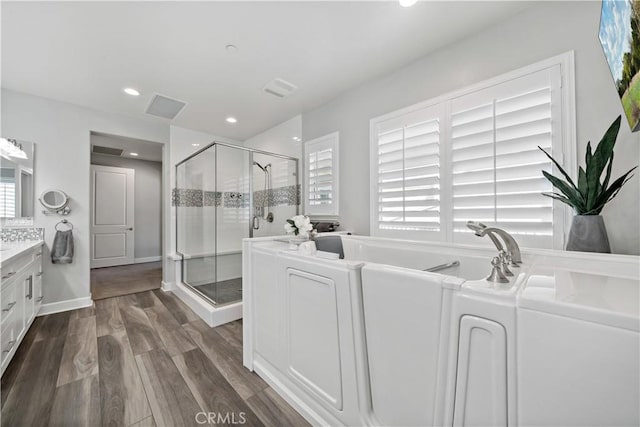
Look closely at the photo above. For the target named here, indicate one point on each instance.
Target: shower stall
(224, 193)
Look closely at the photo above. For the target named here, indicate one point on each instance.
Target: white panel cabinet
(20, 298)
(313, 341)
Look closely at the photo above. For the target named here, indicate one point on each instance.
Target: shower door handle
(256, 223)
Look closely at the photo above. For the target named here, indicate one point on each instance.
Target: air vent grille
(280, 88)
(98, 149)
(165, 107)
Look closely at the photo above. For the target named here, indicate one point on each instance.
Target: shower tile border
(192, 198)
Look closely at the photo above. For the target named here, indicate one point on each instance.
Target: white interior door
(112, 216)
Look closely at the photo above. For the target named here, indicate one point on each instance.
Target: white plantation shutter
(495, 161)
(473, 156)
(7, 199)
(407, 174)
(321, 170)
(7, 192)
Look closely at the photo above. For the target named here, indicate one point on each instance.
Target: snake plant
(590, 195)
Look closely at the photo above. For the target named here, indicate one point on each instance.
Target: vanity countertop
(9, 251)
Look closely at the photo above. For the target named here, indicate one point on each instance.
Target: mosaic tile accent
(212, 198)
(191, 198)
(236, 200)
(289, 195)
(8, 234)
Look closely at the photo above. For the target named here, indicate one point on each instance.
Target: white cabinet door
(314, 343)
(112, 216)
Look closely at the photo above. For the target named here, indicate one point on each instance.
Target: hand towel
(62, 250)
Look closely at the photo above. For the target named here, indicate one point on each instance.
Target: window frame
(565, 154)
(331, 140)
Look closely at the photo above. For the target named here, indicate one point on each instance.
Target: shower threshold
(224, 292)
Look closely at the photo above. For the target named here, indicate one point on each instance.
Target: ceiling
(145, 150)
(86, 52)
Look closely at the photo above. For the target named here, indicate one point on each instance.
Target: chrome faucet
(510, 247)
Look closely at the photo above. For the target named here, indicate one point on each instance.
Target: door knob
(130, 228)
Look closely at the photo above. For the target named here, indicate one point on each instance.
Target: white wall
(545, 30)
(61, 132)
(279, 140)
(148, 203)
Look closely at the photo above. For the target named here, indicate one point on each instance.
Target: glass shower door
(224, 194)
(232, 220)
(196, 198)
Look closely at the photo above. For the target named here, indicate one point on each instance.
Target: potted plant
(590, 195)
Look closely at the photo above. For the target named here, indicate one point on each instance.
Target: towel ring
(64, 222)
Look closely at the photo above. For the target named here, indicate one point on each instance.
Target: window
(321, 174)
(7, 193)
(408, 172)
(473, 155)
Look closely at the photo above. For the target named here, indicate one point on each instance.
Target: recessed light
(231, 120)
(230, 48)
(133, 154)
(407, 3)
(196, 145)
(296, 138)
(131, 91)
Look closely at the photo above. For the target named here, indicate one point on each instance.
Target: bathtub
(374, 340)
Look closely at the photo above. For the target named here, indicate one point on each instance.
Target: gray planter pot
(588, 234)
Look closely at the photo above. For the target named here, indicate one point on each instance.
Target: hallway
(110, 282)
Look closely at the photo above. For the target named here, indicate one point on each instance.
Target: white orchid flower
(288, 228)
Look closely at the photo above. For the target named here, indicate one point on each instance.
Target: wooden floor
(125, 279)
(143, 359)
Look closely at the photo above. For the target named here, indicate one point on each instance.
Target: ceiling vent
(98, 149)
(280, 88)
(167, 108)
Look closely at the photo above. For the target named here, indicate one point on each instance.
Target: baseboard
(60, 306)
(147, 259)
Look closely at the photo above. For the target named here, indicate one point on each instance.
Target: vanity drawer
(19, 263)
(8, 338)
(9, 300)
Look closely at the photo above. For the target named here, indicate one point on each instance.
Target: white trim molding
(147, 259)
(330, 142)
(67, 305)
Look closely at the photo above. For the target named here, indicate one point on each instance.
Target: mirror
(56, 201)
(16, 178)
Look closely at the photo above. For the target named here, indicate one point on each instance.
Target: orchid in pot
(300, 226)
(589, 195)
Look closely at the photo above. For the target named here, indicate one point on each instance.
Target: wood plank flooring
(110, 282)
(137, 360)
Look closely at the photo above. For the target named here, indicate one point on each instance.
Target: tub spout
(510, 245)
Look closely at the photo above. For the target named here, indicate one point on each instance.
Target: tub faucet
(510, 246)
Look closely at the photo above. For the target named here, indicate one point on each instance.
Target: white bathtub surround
(373, 340)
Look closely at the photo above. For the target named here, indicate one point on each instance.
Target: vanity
(21, 247)
(20, 293)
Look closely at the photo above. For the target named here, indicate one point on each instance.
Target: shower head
(260, 166)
